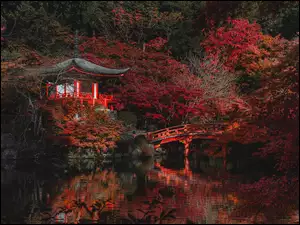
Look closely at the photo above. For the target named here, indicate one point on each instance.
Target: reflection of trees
(81, 193)
(26, 194)
(128, 183)
(196, 198)
(149, 215)
(83, 160)
(271, 205)
(84, 192)
(206, 200)
(83, 198)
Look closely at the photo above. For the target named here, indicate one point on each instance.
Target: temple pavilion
(77, 78)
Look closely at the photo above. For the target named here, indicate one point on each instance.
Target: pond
(120, 192)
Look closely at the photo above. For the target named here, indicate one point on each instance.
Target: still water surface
(127, 191)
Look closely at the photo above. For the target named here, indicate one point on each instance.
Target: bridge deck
(188, 130)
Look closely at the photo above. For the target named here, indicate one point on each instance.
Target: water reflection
(140, 191)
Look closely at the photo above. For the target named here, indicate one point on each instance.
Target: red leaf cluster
(274, 115)
(230, 42)
(81, 126)
(157, 43)
(3, 28)
(156, 84)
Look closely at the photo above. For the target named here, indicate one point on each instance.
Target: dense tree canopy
(181, 22)
(191, 62)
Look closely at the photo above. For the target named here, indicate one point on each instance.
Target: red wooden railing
(186, 133)
(186, 130)
(84, 96)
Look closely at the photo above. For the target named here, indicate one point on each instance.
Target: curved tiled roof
(85, 66)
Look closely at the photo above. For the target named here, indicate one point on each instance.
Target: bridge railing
(169, 128)
(212, 128)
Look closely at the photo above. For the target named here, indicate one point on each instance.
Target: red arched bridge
(186, 133)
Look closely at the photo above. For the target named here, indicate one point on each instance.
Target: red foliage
(157, 43)
(273, 196)
(274, 115)
(156, 82)
(87, 129)
(3, 28)
(146, 19)
(276, 122)
(243, 47)
(230, 42)
(33, 58)
(121, 16)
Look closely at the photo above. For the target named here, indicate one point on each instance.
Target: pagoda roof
(82, 66)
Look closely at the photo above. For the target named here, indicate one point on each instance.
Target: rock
(107, 155)
(113, 114)
(126, 136)
(143, 166)
(136, 152)
(148, 150)
(145, 148)
(159, 151)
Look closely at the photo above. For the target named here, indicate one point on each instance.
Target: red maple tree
(156, 85)
(274, 115)
(81, 126)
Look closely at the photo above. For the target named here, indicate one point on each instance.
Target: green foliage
(43, 25)
(35, 25)
(10, 55)
(247, 84)
(184, 40)
(274, 17)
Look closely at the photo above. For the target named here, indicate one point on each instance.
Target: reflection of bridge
(183, 177)
(186, 133)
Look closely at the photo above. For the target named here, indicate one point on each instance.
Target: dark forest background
(43, 25)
